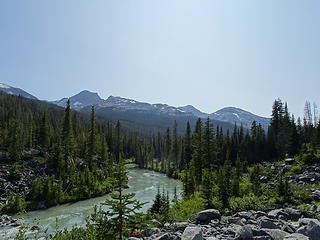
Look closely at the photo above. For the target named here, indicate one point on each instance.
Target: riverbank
(143, 183)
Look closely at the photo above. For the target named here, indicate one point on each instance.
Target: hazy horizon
(209, 54)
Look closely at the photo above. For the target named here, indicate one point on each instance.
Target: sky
(207, 53)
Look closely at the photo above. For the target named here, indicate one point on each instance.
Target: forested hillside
(51, 155)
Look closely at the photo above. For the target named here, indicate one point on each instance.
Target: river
(143, 183)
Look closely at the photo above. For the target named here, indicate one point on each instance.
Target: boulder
(293, 214)
(206, 216)
(245, 215)
(152, 231)
(276, 234)
(278, 214)
(192, 233)
(265, 222)
(311, 229)
(180, 226)
(296, 236)
(259, 214)
(244, 233)
(262, 238)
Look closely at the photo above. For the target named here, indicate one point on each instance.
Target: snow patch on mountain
(4, 86)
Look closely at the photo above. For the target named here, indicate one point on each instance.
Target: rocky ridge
(278, 224)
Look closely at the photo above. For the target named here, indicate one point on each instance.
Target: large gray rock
(276, 234)
(192, 233)
(293, 214)
(244, 233)
(311, 228)
(180, 225)
(296, 236)
(152, 231)
(206, 216)
(265, 222)
(278, 214)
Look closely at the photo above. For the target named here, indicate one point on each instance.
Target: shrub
(300, 194)
(251, 201)
(15, 171)
(187, 209)
(16, 204)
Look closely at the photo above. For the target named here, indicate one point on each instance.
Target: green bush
(16, 204)
(294, 170)
(245, 186)
(300, 194)
(15, 171)
(187, 209)
(251, 201)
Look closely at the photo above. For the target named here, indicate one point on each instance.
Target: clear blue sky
(210, 53)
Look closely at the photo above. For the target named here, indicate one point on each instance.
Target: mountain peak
(82, 99)
(239, 116)
(15, 91)
(191, 109)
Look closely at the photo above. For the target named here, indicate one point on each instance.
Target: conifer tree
(187, 145)
(123, 208)
(92, 140)
(174, 148)
(198, 152)
(118, 142)
(208, 145)
(207, 190)
(175, 199)
(15, 145)
(44, 132)
(67, 132)
(157, 205)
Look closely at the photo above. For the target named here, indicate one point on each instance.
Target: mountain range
(155, 115)
(15, 91)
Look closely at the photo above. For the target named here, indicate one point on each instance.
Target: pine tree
(174, 148)
(105, 158)
(92, 140)
(168, 150)
(118, 142)
(123, 208)
(59, 161)
(67, 132)
(207, 190)
(44, 132)
(187, 145)
(15, 146)
(208, 145)
(175, 199)
(198, 152)
(157, 203)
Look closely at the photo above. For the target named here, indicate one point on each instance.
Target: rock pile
(278, 224)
